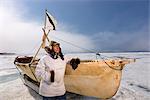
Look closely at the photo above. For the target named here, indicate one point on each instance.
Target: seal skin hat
(53, 43)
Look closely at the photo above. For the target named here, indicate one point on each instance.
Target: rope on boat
(111, 66)
(92, 51)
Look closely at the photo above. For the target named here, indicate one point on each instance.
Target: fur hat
(54, 43)
(47, 49)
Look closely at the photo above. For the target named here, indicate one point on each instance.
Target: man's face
(56, 48)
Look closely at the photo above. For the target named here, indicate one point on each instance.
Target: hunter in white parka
(45, 65)
(51, 70)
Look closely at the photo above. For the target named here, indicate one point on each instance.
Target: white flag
(50, 23)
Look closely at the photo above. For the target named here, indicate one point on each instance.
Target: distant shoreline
(109, 52)
(7, 53)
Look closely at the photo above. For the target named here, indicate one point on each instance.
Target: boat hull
(91, 78)
(103, 82)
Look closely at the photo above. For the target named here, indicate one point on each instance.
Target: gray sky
(112, 25)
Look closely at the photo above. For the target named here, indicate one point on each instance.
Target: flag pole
(42, 41)
(45, 19)
(45, 28)
(35, 57)
(46, 35)
(38, 49)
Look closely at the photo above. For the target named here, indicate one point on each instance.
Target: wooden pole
(35, 57)
(45, 35)
(39, 48)
(40, 45)
(45, 19)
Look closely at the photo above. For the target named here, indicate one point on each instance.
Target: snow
(135, 83)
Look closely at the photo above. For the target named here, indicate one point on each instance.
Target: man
(51, 70)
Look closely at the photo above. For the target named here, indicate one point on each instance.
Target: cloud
(138, 40)
(73, 42)
(16, 35)
(21, 36)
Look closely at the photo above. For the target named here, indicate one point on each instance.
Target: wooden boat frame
(96, 78)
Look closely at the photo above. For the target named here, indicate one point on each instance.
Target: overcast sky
(98, 25)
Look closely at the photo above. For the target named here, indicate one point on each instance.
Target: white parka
(48, 88)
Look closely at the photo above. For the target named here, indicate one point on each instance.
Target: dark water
(10, 77)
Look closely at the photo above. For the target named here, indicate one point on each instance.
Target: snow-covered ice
(135, 83)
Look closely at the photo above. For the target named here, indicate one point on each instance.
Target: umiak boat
(97, 78)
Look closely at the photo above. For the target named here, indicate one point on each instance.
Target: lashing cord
(92, 51)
